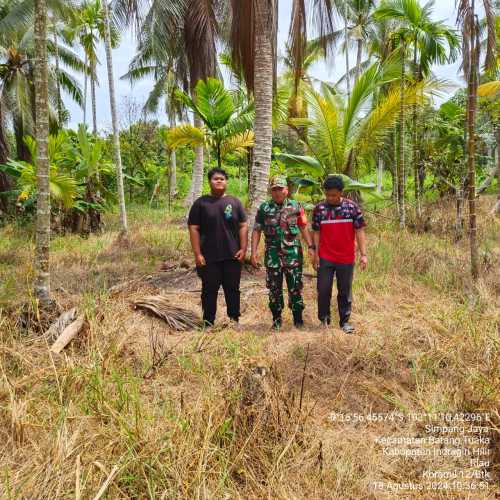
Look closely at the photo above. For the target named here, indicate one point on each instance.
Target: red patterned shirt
(336, 225)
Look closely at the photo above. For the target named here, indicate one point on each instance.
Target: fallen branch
(68, 334)
(175, 317)
(58, 326)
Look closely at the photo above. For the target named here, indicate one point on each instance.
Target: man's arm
(255, 245)
(243, 233)
(306, 235)
(316, 250)
(194, 236)
(361, 241)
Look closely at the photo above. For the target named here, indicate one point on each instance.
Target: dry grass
(144, 412)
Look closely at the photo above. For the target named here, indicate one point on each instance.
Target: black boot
(277, 322)
(297, 319)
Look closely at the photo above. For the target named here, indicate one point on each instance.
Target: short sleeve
(358, 219)
(302, 218)
(194, 218)
(259, 219)
(242, 215)
(316, 219)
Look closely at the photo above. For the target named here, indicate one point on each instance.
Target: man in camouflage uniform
(282, 219)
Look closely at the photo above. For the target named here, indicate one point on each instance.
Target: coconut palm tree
(42, 263)
(167, 66)
(297, 104)
(468, 22)
(341, 129)
(227, 124)
(253, 41)
(17, 74)
(429, 42)
(88, 27)
(114, 119)
(362, 19)
(186, 30)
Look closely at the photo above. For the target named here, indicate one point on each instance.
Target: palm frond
(200, 34)
(238, 143)
(326, 135)
(379, 123)
(176, 318)
(62, 187)
(70, 85)
(214, 103)
(490, 89)
(185, 134)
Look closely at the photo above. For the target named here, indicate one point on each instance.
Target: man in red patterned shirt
(337, 224)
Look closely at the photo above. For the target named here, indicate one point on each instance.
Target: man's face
(333, 196)
(218, 183)
(279, 194)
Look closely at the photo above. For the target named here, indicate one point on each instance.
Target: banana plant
(63, 188)
(307, 172)
(227, 120)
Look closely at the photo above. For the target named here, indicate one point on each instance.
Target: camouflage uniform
(283, 252)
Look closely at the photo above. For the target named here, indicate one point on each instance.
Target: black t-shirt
(219, 220)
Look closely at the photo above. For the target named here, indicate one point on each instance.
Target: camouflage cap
(278, 181)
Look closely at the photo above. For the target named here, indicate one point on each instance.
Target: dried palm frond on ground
(176, 318)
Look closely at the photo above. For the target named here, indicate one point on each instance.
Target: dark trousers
(326, 273)
(226, 273)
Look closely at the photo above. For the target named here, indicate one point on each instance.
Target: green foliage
(63, 187)
(340, 131)
(298, 165)
(227, 120)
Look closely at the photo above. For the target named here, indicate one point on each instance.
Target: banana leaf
(307, 164)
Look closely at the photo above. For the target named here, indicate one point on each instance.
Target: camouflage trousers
(274, 282)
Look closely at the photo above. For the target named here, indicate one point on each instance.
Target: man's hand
(315, 261)
(240, 255)
(254, 260)
(363, 261)
(312, 254)
(200, 260)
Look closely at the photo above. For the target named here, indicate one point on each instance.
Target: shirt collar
(284, 204)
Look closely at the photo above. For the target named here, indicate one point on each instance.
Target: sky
(444, 10)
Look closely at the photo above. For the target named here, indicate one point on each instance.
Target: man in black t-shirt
(218, 231)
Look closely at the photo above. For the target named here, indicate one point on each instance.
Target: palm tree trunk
(401, 165)
(42, 262)
(114, 120)
(85, 85)
(4, 153)
(263, 90)
(346, 38)
(60, 117)
(358, 58)
(173, 174)
(459, 218)
(496, 210)
(197, 174)
(471, 146)
(349, 170)
(93, 97)
(380, 174)
(249, 168)
(415, 159)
